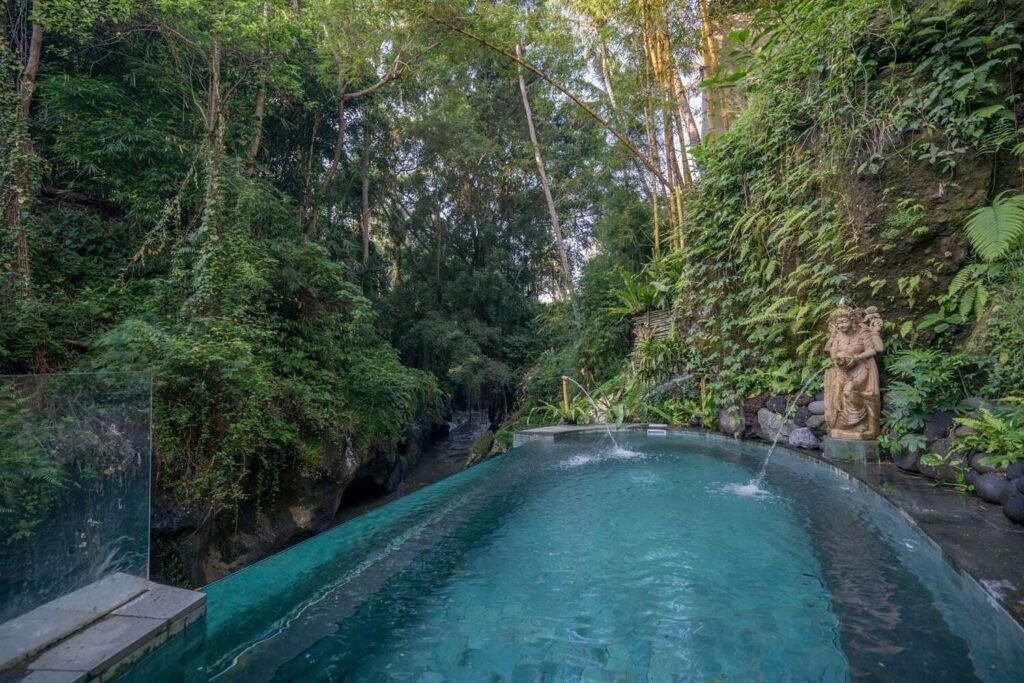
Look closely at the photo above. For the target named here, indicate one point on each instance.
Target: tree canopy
(314, 219)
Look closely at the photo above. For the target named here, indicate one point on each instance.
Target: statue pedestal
(856, 453)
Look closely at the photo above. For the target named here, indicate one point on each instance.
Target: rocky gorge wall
(189, 549)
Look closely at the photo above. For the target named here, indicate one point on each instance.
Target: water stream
(587, 393)
(754, 487)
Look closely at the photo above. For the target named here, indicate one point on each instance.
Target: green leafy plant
(994, 230)
(952, 469)
(656, 360)
(998, 432)
(672, 412)
(634, 296)
(580, 412)
(921, 382)
(897, 443)
(996, 342)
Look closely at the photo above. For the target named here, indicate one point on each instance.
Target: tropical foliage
(316, 220)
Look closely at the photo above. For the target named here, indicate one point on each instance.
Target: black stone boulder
(990, 486)
(939, 426)
(975, 462)
(801, 415)
(755, 403)
(1014, 509)
(778, 404)
(908, 461)
(937, 472)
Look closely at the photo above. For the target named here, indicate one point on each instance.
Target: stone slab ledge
(97, 632)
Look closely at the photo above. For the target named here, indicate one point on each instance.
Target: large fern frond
(1001, 132)
(994, 229)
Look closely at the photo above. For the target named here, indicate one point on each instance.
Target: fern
(1001, 133)
(994, 229)
(970, 287)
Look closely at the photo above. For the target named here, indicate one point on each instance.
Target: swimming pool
(575, 560)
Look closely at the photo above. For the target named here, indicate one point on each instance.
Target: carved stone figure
(852, 396)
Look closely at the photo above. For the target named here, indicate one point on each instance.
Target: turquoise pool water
(577, 561)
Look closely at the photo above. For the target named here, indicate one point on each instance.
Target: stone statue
(852, 396)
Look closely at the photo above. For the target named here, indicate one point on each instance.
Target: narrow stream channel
(441, 459)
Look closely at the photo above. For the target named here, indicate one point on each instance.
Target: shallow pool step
(95, 632)
(34, 631)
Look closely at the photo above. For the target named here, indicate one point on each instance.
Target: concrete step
(96, 633)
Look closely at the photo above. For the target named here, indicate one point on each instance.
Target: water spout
(587, 393)
(754, 487)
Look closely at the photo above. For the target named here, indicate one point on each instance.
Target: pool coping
(97, 632)
(960, 527)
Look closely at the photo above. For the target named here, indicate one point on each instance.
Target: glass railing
(75, 459)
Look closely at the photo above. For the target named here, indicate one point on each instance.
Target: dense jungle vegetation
(316, 220)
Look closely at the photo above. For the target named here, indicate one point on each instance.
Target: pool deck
(97, 632)
(974, 537)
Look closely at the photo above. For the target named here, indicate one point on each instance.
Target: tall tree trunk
(556, 227)
(677, 116)
(364, 217)
(714, 95)
(257, 135)
(678, 177)
(606, 74)
(655, 203)
(27, 84)
(339, 148)
(306, 204)
(439, 248)
(214, 143)
(332, 168)
(259, 112)
(685, 167)
(687, 113)
(652, 146)
(14, 208)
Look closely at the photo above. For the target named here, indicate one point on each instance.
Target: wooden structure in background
(657, 324)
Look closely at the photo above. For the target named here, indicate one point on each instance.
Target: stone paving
(97, 632)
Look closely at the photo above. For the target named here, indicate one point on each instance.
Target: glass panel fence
(75, 454)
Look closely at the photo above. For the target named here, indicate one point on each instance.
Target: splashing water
(754, 487)
(751, 490)
(615, 453)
